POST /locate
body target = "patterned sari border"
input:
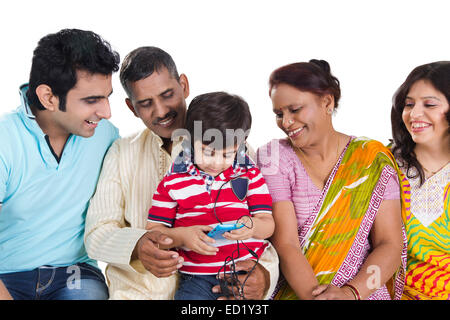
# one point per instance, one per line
(354, 259)
(302, 232)
(358, 251)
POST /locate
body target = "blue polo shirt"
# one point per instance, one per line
(43, 199)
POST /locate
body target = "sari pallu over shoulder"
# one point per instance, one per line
(334, 237)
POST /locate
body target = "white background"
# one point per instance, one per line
(234, 45)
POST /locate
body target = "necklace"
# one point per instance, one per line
(306, 159)
(434, 172)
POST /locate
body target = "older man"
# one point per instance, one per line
(133, 167)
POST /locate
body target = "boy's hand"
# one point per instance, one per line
(243, 233)
(195, 238)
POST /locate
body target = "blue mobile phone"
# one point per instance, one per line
(220, 229)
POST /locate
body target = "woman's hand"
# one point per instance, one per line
(331, 292)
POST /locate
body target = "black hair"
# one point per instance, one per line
(220, 111)
(314, 76)
(142, 62)
(59, 55)
(438, 75)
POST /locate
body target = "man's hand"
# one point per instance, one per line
(255, 287)
(4, 294)
(162, 263)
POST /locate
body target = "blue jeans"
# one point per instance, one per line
(77, 282)
(196, 287)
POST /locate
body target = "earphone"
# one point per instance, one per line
(232, 277)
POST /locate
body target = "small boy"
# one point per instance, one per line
(211, 184)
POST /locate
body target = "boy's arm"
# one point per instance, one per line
(161, 217)
(172, 233)
(263, 225)
(193, 237)
(259, 202)
(260, 206)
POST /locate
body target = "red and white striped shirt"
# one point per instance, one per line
(186, 197)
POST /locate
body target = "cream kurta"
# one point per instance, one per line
(117, 216)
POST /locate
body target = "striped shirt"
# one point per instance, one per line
(186, 196)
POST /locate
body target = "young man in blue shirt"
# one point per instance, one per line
(51, 153)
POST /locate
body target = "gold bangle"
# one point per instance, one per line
(353, 290)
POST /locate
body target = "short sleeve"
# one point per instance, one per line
(275, 169)
(163, 209)
(258, 196)
(392, 191)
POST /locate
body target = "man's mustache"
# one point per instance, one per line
(170, 114)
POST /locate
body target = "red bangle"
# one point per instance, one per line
(354, 291)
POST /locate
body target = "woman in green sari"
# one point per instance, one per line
(420, 125)
(336, 200)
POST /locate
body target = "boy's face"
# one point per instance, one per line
(213, 161)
